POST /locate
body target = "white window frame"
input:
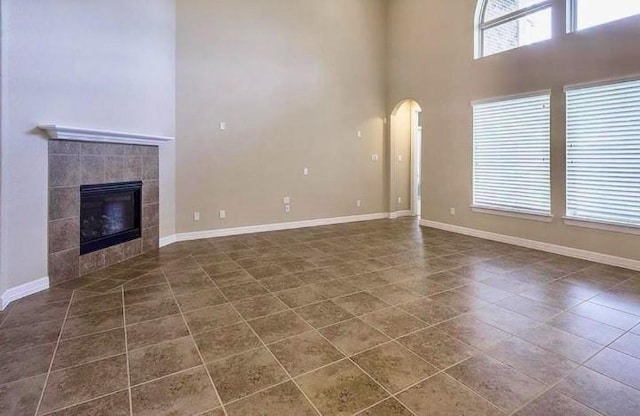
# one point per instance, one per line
(509, 211)
(576, 221)
(572, 17)
(481, 26)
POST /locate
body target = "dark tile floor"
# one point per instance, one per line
(376, 318)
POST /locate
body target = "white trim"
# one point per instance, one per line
(224, 232)
(23, 290)
(602, 82)
(534, 216)
(57, 132)
(399, 214)
(538, 245)
(602, 225)
(165, 241)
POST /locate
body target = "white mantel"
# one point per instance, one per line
(57, 132)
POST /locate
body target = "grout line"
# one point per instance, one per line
(204, 364)
(268, 350)
(126, 349)
(53, 357)
(84, 402)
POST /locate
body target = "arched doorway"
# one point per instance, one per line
(405, 151)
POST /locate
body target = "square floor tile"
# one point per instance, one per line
(147, 311)
(95, 304)
(241, 375)
(458, 301)
(442, 395)
(85, 382)
(394, 294)
(25, 363)
(283, 400)
(12, 339)
(617, 366)
(484, 292)
(586, 328)
(530, 308)
(341, 389)
(496, 382)
(21, 397)
(259, 306)
(300, 296)
(530, 360)
(145, 294)
(189, 392)
(612, 317)
(116, 404)
(226, 341)
(390, 407)
(601, 393)
(88, 348)
(93, 322)
(553, 403)
(323, 313)
(207, 319)
(437, 348)
(156, 331)
(393, 322)
(149, 363)
(429, 311)
(361, 303)
(504, 319)
(283, 282)
(628, 344)
(474, 332)
(394, 366)
(278, 326)
(353, 336)
(562, 343)
(201, 299)
(306, 352)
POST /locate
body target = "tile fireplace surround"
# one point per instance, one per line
(75, 163)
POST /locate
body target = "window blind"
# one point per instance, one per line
(511, 140)
(603, 153)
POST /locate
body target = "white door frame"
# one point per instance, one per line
(416, 159)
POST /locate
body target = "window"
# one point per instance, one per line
(588, 13)
(508, 24)
(603, 153)
(511, 141)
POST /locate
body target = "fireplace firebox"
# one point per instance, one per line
(110, 214)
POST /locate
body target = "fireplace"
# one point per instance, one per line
(110, 214)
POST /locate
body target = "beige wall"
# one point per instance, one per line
(431, 60)
(401, 146)
(106, 64)
(294, 80)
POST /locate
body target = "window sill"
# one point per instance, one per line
(602, 225)
(526, 215)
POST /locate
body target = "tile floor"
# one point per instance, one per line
(376, 318)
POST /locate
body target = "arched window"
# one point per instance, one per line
(507, 24)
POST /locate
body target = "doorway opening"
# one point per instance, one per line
(405, 189)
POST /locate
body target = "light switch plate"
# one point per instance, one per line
(223, 214)
(286, 200)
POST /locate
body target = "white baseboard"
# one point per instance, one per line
(165, 241)
(224, 232)
(400, 214)
(24, 290)
(538, 245)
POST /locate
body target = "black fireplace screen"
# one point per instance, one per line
(109, 215)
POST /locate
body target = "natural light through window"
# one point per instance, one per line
(509, 24)
(589, 13)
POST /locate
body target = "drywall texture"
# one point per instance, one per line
(294, 81)
(431, 47)
(400, 159)
(105, 64)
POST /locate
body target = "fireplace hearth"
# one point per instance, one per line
(110, 214)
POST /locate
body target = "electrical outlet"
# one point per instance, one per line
(358, 203)
(399, 158)
(286, 200)
(305, 171)
(223, 125)
(359, 134)
(196, 216)
(452, 211)
(399, 200)
(287, 208)
(374, 158)
(223, 214)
